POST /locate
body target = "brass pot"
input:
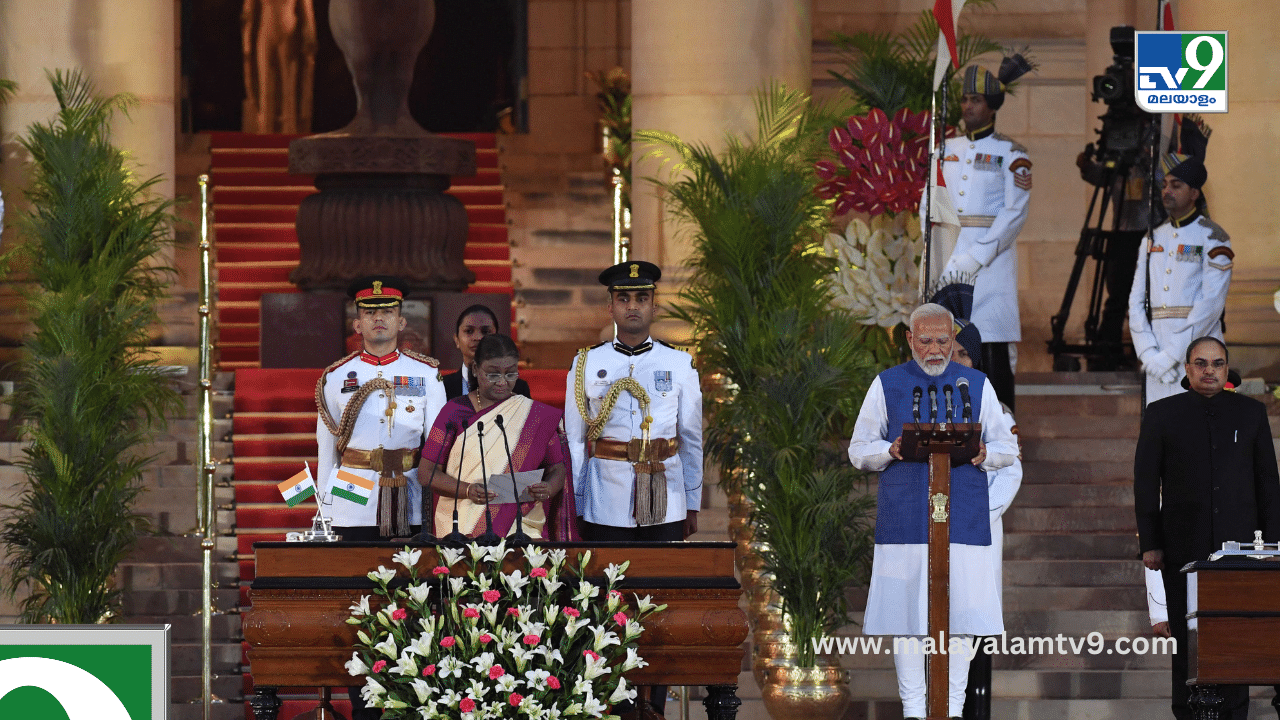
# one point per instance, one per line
(817, 693)
(770, 636)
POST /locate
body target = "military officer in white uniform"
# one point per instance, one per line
(374, 408)
(1180, 287)
(989, 178)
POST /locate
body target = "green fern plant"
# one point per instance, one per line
(90, 395)
(793, 367)
(891, 72)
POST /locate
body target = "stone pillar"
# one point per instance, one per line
(695, 67)
(1243, 158)
(123, 46)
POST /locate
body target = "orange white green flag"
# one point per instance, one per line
(299, 487)
(350, 486)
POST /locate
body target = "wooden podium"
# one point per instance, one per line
(943, 446)
(298, 637)
(1233, 628)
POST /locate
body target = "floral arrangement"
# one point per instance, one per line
(471, 642)
(881, 163)
(877, 274)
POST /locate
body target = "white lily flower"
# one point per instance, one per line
(557, 560)
(391, 703)
(516, 582)
(424, 645)
(477, 553)
(644, 604)
(633, 661)
(621, 693)
(477, 690)
(581, 686)
(593, 707)
(449, 700)
(456, 584)
(356, 666)
(419, 593)
(498, 553)
(552, 584)
(604, 638)
(428, 712)
(406, 666)
(552, 613)
(532, 628)
(361, 608)
(536, 679)
(634, 628)
(595, 667)
(449, 666)
(614, 572)
(553, 713)
(490, 612)
(382, 575)
(531, 708)
(535, 556)
(482, 662)
(572, 627)
(483, 582)
(574, 710)
(387, 647)
(451, 556)
(554, 656)
(507, 683)
(586, 591)
(372, 690)
(422, 689)
(584, 559)
(407, 557)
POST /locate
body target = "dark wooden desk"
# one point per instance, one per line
(1233, 628)
(298, 637)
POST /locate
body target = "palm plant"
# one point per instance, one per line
(794, 368)
(89, 394)
(892, 72)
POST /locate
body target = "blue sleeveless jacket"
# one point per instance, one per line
(902, 515)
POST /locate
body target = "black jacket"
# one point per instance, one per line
(1212, 462)
(453, 386)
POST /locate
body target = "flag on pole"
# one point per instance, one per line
(299, 487)
(947, 13)
(1168, 15)
(353, 487)
(946, 227)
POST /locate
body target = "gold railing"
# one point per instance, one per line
(205, 465)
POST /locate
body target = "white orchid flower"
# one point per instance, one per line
(621, 693)
(382, 575)
(422, 689)
(419, 593)
(516, 582)
(614, 571)
(361, 608)
(407, 557)
(387, 647)
(535, 556)
(633, 661)
(356, 666)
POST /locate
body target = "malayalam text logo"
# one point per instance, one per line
(1181, 71)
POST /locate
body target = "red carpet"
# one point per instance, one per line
(255, 203)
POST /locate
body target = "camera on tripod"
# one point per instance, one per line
(1124, 125)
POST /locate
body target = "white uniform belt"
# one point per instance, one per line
(1166, 313)
(977, 220)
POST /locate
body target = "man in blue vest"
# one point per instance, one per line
(897, 602)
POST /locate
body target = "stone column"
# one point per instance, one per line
(695, 67)
(1243, 158)
(122, 46)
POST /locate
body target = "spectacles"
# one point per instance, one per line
(510, 377)
(1217, 364)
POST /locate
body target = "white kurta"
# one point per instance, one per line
(1002, 486)
(897, 601)
(417, 404)
(606, 488)
(1190, 271)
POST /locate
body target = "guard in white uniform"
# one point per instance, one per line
(989, 178)
(1180, 287)
(374, 409)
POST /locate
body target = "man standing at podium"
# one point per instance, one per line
(1204, 473)
(897, 603)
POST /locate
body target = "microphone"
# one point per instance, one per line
(963, 385)
(428, 516)
(456, 539)
(489, 538)
(519, 538)
(946, 393)
(933, 403)
(915, 402)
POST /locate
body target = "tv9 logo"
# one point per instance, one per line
(1181, 71)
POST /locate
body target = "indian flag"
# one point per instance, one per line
(353, 487)
(299, 487)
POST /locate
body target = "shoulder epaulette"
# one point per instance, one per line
(1017, 146)
(321, 407)
(599, 344)
(421, 358)
(1215, 230)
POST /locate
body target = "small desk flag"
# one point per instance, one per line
(299, 487)
(352, 487)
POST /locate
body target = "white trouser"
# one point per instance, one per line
(909, 661)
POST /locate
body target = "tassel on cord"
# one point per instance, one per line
(393, 505)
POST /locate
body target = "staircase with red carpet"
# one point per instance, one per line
(255, 204)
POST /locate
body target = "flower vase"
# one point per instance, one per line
(820, 692)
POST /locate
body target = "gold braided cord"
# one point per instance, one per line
(352, 412)
(321, 406)
(595, 425)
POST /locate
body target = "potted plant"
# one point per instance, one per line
(792, 366)
(89, 392)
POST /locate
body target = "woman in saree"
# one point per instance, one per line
(536, 441)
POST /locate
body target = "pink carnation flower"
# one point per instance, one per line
(399, 614)
(470, 613)
(590, 654)
(467, 705)
(620, 618)
(485, 638)
(428, 671)
(571, 612)
(496, 672)
(491, 595)
(538, 573)
(513, 611)
(440, 570)
(448, 641)
(552, 682)
(379, 666)
(530, 639)
(615, 594)
(515, 699)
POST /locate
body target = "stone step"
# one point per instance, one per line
(1037, 426)
(185, 658)
(1076, 472)
(1129, 597)
(186, 628)
(1118, 405)
(187, 688)
(1073, 573)
(178, 548)
(220, 711)
(175, 602)
(135, 576)
(1093, 450)
(1074, 496)
(1042, 546)
(1057, 520)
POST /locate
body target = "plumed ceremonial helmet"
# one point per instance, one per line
(1187, 163)
(958, 299)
